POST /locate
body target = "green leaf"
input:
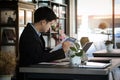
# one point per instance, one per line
(72, 56)
(77, 45)
(79, 54)
(81, 50)
(73, 49)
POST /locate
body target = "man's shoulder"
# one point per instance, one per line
(29, 25)
(28, 28)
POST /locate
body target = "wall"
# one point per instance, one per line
(72, 19)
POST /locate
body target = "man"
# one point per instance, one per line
(32, 45)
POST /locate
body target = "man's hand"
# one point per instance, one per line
(66, 45)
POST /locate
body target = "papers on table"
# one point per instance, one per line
(55, 63)
(95, 63)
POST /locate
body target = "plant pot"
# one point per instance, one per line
(5, 77)
(109, 47)
(84, 59)
(75, 61)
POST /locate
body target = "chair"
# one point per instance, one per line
(84, 40)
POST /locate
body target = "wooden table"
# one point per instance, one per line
(67, 72)
(104, 53)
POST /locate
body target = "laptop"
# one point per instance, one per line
(87, 46)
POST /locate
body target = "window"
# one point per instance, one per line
(99, 20)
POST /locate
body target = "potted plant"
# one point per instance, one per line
(7, 65)
(109, 45)
(77, 56)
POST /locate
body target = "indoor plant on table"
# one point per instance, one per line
(109, 45)
(7, 65)
(77, 56)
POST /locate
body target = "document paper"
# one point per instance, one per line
(59, 46)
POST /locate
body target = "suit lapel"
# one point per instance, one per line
(42, 41)
(39, 39)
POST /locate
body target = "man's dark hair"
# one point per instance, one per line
(44, 13)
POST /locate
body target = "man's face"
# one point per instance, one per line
(46, 25)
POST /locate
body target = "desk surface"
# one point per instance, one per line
(104, 53)
(66, 69)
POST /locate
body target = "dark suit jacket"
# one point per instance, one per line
(32, 48)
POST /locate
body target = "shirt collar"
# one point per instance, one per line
(39, 34)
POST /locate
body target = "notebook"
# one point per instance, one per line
(87, 46)
(95, 65)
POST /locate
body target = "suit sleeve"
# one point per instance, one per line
(58, 54)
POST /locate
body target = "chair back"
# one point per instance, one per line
(84, 40)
